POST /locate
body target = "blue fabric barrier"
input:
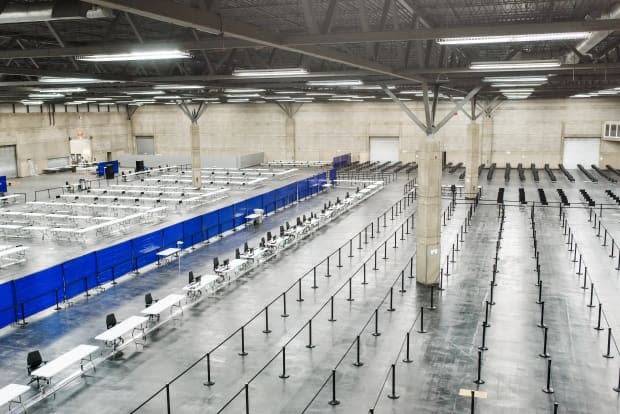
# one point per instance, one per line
(41, 290)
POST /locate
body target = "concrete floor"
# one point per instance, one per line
(445, 358)
(46, 253)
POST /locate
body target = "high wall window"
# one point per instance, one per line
(611, 130)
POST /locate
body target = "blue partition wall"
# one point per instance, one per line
(30, 294)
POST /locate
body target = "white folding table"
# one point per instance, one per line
(169, 302)
(12, 394)
(81, 353)
(131, 324)
(166, 253)
(195, 289)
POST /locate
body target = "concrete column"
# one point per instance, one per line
(428, 221)
(289, 143)
(473, 160)
(196, 162)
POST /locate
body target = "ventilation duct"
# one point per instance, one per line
(586, 45)
(43, 12)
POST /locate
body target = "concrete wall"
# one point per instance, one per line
(39, 137)
(519, 131)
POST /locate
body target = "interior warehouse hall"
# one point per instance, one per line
(309, 206)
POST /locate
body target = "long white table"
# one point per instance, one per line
(195, 289)
(131, 324)
(166, 253)
(81, 353)
(169, 302)
(14, 255)
(12, 394)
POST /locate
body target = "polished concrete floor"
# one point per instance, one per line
(444, 359)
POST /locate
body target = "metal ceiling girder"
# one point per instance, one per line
(457, 108)
(193, 114)
(205, 21)
(406, 110)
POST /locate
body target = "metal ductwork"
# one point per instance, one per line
(586, 45)
(45, 12)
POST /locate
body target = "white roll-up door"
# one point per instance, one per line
(145, 145)
(8, 161)
(384, 149)
(584, 151)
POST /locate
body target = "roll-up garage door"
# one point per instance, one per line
(8, 161)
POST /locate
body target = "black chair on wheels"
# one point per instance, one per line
(148, 300)
(110, 321)
(216, 263)
(191, 277)
(237, 254)
(246, 248)
(33, 362)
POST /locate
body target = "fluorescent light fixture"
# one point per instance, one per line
(238, 100)
(371, 87)
(244, 95)
(608, 92)
(133, 56)
(513, 79)
(31, 102)
(350, 82)
(145, 92)
(106, 103)
(523, 90)
(46, 95)
(319, 94)
(411, 92)
(511, 97)
(144, 100)
(285, 100)
(177, 87)
(62, 90)
(168, 97)
(207, 99)
(270, 97)
(516, 84)
(53, 79)
(232, 90)
(581, 95)
(515, 64)
(77, 103)
(543, 37)
(288, 92)
(269, 73)
(259, 102)
(339, 99)
(98, 99)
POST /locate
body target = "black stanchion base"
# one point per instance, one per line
(544, 355)
(350, 299)
(486, 324)
(539, 302)
(391, 309)
(598, 328)
(299, 300)
(617, 389)
(548, 390)
(431, 307)
(483, 348)
(407, 361)
(376, 334)
(266, 331)
(334, 402)
(332, 320)
(328, 275)
(357, 364)
(242, 353)
(541, 325)
(393, 396)
(479, 382)
(283, 376)
(339, 266)
(585, 288)
(608, 356)
(310, 346)
(314, 287)
(208, 383)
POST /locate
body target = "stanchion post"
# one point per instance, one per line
(376, 332)
(357, 362)
(391, 308)
(393, 395)
(299, 298)
(422, 321)
(310, 344)
(541, 324)
(331, 312)
(479, 379)
(209, 382)
(407, 359)
(314, 285)
(284, 313)
(350, 298)
(334, 401)
(243, 352)
(600, 313)
(544, 353)
(266, 330)
(608, 355)
(548, 389)
(483, 347)
(591, 304)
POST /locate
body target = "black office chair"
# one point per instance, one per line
(246, 248)
(216, 263)
(281, 231)
(191, 276)
(148, 300)
(304, 218)
(288, 226)
(110, 321)
(298, 221)
(347, 195)
(33, 362)
(237, 254)
(226, 261)
(262, 242)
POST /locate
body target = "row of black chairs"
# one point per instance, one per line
(521, 172)
(613, 170)
(542, 197)
(550, 173)
(491, 171)
(568, 175)
(453, 169)
(587, 197)
(587, 173)
(563, 198)
(522, 196)
(535, 172)
(613, 195)
(603, 174)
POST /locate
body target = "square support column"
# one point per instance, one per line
(196, 161)
(428, 223)
(289, 147)
(473, 160)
